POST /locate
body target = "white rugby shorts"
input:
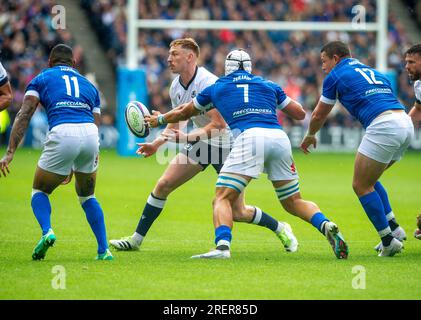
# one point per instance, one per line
(258, 150)
(71, 146)
(387, 137)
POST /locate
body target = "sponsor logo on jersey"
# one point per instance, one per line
(377, 90)
(72, 104)
(246, 111)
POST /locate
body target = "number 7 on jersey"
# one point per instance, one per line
(246, 91)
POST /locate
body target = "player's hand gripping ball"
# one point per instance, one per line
(135, 118)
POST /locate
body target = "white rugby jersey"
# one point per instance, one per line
(417, 90)
(180, 94)
(3, 75)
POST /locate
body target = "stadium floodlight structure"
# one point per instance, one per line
(379, 27)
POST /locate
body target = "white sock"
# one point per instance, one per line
(280, 227)
(137, 238)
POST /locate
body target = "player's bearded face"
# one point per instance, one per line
(413, 66)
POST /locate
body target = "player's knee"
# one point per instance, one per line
(288, 194)
(85, 185)
(359, 188)
(227, 194)
(238, 213)
(242, 213)
(35, 191)
(355, 186)
(43, 186)
(82, 200)
(289, 204)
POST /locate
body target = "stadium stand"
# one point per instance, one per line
(288, 58)
(26, 38)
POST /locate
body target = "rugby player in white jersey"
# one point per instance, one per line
(208, 143)
(413, 67)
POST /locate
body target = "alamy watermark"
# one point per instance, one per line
(359, 280)
(59, 17)
(358, 21)
(59, 280)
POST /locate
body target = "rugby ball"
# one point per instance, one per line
(135, 118)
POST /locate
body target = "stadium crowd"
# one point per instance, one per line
(289, 58)
(26, 38)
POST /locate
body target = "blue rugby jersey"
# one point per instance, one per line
(66, 95)
(244, 100)
(363, 91)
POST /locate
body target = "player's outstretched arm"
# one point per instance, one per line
(19, 128)
(182, 112)
(5, 95)
(294, 110)
(318, 118)
(415, 113)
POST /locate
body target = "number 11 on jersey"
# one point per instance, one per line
(68, 85)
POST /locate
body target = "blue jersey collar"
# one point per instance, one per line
(342, 62)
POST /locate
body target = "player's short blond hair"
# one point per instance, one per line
(187, 43)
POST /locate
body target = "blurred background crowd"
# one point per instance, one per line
(290, 59)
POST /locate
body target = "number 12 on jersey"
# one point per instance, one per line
(69, 87)
(372, 79)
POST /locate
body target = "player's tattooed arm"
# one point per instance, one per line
(21, 123)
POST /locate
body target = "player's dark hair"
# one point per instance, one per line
(61, 54)
(415, 49)
(338, 48)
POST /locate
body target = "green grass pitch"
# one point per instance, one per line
(259, 268)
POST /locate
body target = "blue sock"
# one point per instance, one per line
(95, 217)
(317, 220)
(151, 211)
(263, 219)
(387, 208)
(374, 209)
(223, 234)
(381, 191)
(42, 210)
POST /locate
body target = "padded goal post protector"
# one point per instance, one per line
(131, 85)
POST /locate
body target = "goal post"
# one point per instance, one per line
(357, 24)
(379, 27)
